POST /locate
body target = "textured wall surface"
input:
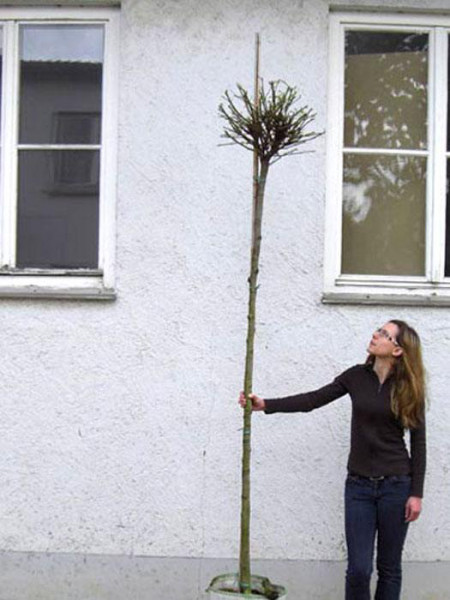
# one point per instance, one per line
(120, 432)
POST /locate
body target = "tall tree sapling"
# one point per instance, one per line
(272, 126)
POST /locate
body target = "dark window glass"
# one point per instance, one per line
(1, 72)
(448, 99)
(61, 70)
(60, 73)
(76, 127)
(58, 209)
(447, 230)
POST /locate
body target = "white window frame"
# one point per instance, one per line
(433, 288)
(61, 283)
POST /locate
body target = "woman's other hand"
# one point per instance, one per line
(257, 402)
(413, 509)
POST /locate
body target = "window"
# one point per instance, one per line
(58, 152)
(388, 228)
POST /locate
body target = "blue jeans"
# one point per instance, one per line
(375, 508)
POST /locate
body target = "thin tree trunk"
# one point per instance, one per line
(244, 556)
(255, 150)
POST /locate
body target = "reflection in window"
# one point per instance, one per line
(76, 172)
(386, 89)
(76, 127)
(1, 73)
(447, 230)
(61, 69)
(384, 195)
(57, 221)
(384, 215)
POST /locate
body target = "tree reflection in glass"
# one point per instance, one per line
(384, 193)
(386, 90)
(384, 215)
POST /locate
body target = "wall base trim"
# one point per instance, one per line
(55, 576)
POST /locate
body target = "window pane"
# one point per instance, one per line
(58, 209)
(1, 73)
(447, 224)
(448, 98)
(60, 74)
(447, 230)
(386, 89)
(383, 230)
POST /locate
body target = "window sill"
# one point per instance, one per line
(62, 286)
(425, 295)
(60, 3)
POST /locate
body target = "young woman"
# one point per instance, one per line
(384, 486)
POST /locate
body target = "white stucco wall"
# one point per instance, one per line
(120, 429)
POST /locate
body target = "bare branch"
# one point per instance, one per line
(274, 127)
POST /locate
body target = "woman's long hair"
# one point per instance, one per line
(408, 389)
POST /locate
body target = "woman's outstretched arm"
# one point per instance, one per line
(300, 402)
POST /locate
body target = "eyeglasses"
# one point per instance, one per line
(387, 336)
